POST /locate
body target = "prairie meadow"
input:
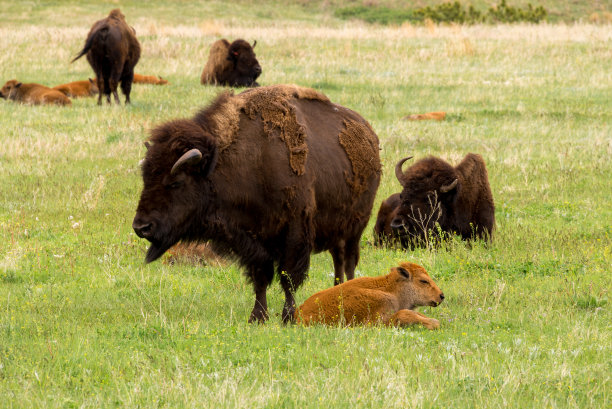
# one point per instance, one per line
(526, 321)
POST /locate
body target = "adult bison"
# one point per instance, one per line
(268, 176)
(112, 51)
(457, 198)
(232, 64)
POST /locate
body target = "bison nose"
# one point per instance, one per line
(442, 296)
(142, 229)
(257, 69)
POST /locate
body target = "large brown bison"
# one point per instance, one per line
(457, 198)
(31, 93)
(232, 64)
(112, 51)
(268, 176)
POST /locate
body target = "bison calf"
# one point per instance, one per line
(112, 51)
(78, 88)
(232, 64)
(388, 299)
(458, 199)
(31, 93)
(149, 79)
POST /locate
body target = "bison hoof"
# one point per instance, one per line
(258, 316)
(288, 315)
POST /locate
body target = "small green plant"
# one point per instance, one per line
(450, 12)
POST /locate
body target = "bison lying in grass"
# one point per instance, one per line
(389, 300)
(78, 88)
(267, 176)
(112, 51)
(232, 64)
(149, 79)
(457, 199)
(34, 94)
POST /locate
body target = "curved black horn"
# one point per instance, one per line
(398, 169)
(448, 188)
(190, 157)
(254, 43)
(147, 144)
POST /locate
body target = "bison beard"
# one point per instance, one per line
(268, 189)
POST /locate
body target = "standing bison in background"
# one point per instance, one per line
(268, 176)
(457, 198)
(112, 51)
(232, 64)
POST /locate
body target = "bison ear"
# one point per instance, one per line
(90, 80)
(403, 272)
(19, 84)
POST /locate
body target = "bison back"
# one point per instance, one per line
(298, 171)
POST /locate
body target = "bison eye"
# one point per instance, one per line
(174, 185)
(424, 282)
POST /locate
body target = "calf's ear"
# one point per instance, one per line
(19, 84)
(403, 272)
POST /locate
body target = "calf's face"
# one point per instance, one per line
(418, 286)
(174, 196)
(9, 89)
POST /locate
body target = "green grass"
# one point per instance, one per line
(526, 322)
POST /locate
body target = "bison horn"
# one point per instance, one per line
(448, 188)
(398, 169)
(254, 43)
(147, 144)
(190, 157)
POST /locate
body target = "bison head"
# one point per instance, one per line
(430, 189)
(177, 189)
(417, 286)
(9, 89)
(246, 66)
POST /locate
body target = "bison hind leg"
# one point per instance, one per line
(292, 269)
(346, 257)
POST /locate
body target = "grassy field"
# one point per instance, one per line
(527, 320)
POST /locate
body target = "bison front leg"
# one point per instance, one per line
(404, 318)
(261, 276)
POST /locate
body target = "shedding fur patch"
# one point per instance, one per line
(225, 119)
(272, 103)
(361, 146)
(279, 118)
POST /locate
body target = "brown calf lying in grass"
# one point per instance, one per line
(388, 299)
(31, 93)
(438, 116)
(193, 253)
(77, 89)
(149, 79)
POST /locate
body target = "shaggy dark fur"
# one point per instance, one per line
(232, 64)
(247, 200)
(112, 51)
(458, 198)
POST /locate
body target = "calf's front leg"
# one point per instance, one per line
(403, 318)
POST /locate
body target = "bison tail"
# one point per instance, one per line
(90, 40)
